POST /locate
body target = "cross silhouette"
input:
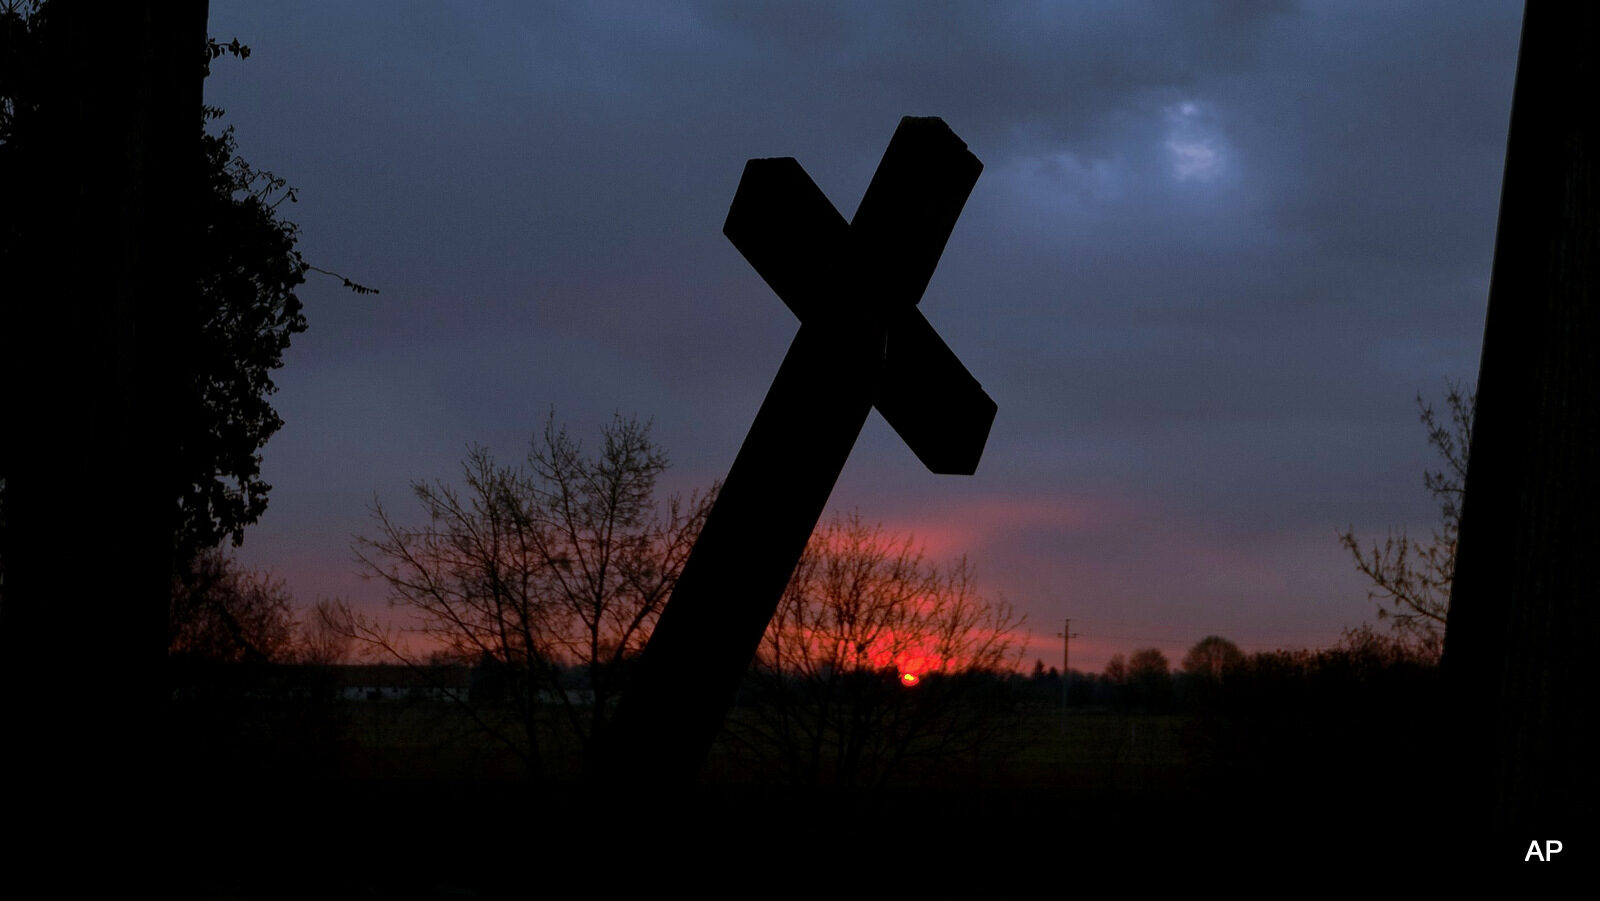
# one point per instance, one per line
(862, 343)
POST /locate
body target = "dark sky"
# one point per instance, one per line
(1217, 250)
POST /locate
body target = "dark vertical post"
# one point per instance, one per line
(112, 159)
(1522, 633)
(1067, 635)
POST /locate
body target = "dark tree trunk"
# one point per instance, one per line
(1522, 628)
(111, 166)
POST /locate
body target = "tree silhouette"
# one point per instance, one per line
(535, 571)
(224, 613)
(322, 638)
(875, 659)
(1150, 677)
(246, 314)
(1212, 657)
(1411, 579)
(1116, 669)
(148, 294)
(232, 302)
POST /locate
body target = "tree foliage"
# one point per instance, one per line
(247, 315)
(21, 52)
(1355, 725)
(1411, 579)
(238, 317)
(239, 309)
(1212, 658)
(1150, 678)
(548, 576)
(1148, 663)
(875, 658)
(1116, 669)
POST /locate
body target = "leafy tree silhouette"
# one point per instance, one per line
(1150, 677)
(248, 312)
(148, 294)
(237, 320)
(1212, 658)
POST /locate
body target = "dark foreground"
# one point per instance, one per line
(1125, 795)
(458, 839)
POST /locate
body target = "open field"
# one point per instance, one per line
(1100, 751)
(1319, 771)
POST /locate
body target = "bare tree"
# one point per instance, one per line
(1411, 579)
(1116, 669)
(546, 576)
(875, 658)
(221, 612)
(323, 637)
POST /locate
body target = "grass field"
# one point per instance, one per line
(1095, 751)
(416, 802)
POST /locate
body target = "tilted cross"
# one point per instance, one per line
(862, 343)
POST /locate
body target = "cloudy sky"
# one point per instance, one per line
(1216, 251)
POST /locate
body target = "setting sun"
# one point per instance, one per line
(909, 679)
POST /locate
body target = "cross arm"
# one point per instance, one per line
(789, 232)
(931, 400)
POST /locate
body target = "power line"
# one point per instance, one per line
(1255, 632)
(1189, 641)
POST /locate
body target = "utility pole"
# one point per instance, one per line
(1066, 635)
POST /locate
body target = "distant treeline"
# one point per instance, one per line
(1365, 664)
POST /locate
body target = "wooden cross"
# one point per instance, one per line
(862, 343)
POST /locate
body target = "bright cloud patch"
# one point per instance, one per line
(1194, 149)
(1057, 175)
(1194, 159)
